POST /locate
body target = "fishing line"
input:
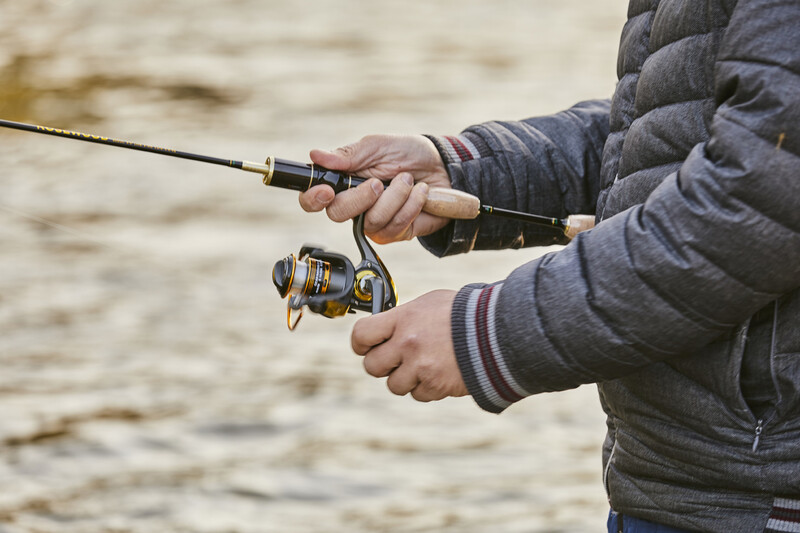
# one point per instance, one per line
(186, 276)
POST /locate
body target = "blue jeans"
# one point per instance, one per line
(637, 525)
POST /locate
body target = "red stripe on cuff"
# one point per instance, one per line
(461, 149)
(493, 372)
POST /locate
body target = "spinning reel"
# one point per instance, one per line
(328, 283)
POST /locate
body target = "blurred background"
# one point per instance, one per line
(148, 381)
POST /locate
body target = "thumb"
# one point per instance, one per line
(345, 158)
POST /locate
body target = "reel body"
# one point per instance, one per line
(330, 285)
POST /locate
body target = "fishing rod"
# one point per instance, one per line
(328, 283)
(441, 201)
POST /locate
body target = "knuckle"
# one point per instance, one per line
(375, 220)
(373, 367)
(430, 391)
(394, 388)
(336, 213)
(368, 366)
(430, 372)
(401, 222)
(421, 396)
(410, 343)
(399, 232)
(347, 150)
(357, 341)
(346, 207)
(427, 371)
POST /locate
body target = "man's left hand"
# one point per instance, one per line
(412, 345)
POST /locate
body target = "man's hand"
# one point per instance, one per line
(412, 345)
(410, 162)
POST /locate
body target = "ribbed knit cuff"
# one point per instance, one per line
(464, 147)
(785, 516)
(478, 353)
(459, 235)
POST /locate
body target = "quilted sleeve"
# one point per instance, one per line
(715, 242)
(544, 165)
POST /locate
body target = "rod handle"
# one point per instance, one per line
(577, 224)
(451, 203)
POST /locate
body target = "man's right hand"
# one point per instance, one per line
(410, 162)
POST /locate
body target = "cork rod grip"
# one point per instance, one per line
(450, 203)
(577, 224)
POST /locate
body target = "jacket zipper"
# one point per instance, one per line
(759, 429)
(760, 423)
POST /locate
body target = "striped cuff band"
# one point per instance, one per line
(785, 516)
(480, 358)
(464, 147)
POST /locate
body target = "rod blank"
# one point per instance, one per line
(448, 203)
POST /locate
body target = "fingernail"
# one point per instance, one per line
(377, 186)
(407, 179)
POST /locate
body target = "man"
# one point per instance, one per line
(683, 304)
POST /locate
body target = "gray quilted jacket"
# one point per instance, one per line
(683, 304)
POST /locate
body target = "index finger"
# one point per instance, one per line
(372, 331)
(316, 198)
(352, 202)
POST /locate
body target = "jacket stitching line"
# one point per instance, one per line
(758, 61)
(684, 37)
(684, 310)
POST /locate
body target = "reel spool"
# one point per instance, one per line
(328, 283)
